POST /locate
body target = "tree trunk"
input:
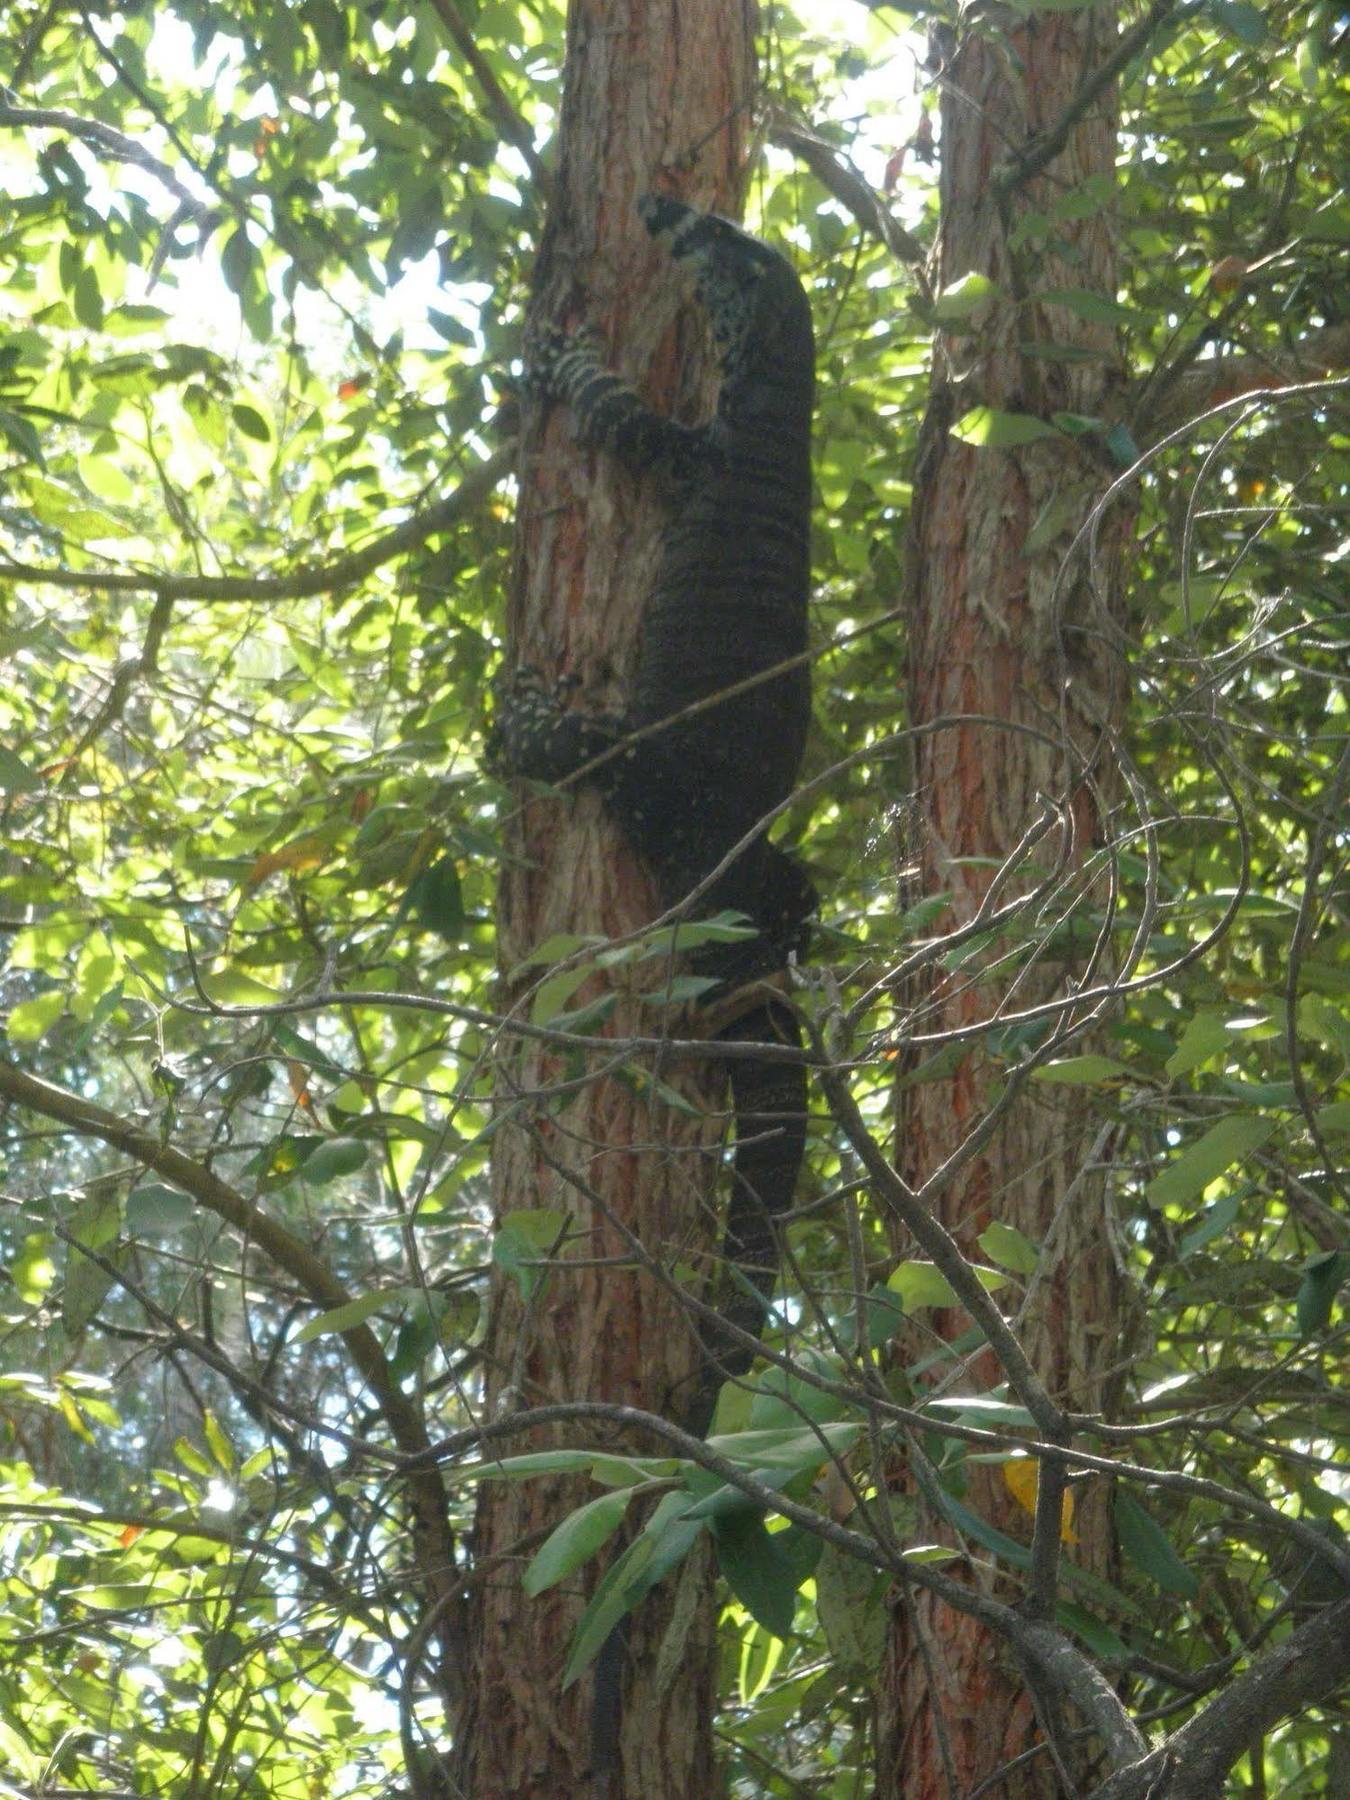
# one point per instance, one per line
(648, 85)
(1001, 627)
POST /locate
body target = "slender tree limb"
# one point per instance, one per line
(124, 678)
(1191, 1765)
(309, 1271)
(504, 115)
(834, 171)
(1330, 825)
(339, 1593)
(325, 578)
(1050, 1659)
(432, 1537)
(31, 44)
(111, 142)
(937, 1241)
(1217, 381)
(1045, 1651)
(1045, 146)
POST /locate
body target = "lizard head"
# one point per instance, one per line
(754, 299)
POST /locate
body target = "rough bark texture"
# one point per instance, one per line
(649, 85)
(993, 631)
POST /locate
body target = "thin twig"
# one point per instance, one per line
(504, 114)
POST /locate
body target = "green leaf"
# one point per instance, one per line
(1005, 1245)
(552, 994)
(776, 1457)
(1223, 1144)
(304, 1050)
(963, 298)
(1317, 1290)
(332, 1158)
(433, 1318)
(217, 1442)
(1319, 1018)
(1146, 1545)
(446, 325)
(106, 478)
(850, 1602)
(666, 1540)
(1076, 1071)
(192, 1458)
(649, 1086)
(586, 1017)
(354, 1312)
(883, 1315)
(969, 1523)
(251, 422)
(436, 897)
(154, 1210)
(1240, 19)
(1124, 451)
(1205, 1036)
(1308, 61)
(555, 949)
(603, 1465)
(1211, 1224)
(221, 1650)
(236, 261)
(87, 300)
(679, 990)
(524, 1237)
(95, 1225)
(756, 1570)
(31, 1019)
(920, 1283)
(721, 928)
(33, 1270)
(993, 430)
(576, 1540)
(1097, 309)
(20, 435)
(1095, 1632)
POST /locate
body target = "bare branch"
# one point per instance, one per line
(834, 171)
(325, 578)
(1311, 1664)
(111, 142)
(1214, 382)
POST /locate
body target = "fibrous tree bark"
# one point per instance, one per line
(1004, 624)
(648, 88)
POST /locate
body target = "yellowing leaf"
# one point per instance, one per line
(297, 1077)
(1022, 1478)
(300, 853)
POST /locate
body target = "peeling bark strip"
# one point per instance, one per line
(647, 84)
(995, 630)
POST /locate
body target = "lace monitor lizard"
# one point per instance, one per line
(728, 603)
